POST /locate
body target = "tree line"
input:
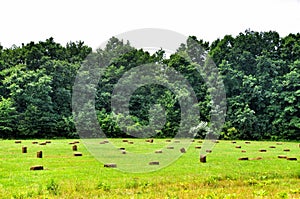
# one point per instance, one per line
(260, 72)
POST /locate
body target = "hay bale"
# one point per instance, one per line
(71, 142)
(123, 152)
(130, 142)
(149, 140)
(177, 141)
(158, 151)
(24, 149)
(215, 141)
(197, 147)
(203, 158)
(238, 147)
(154, 163)
(292, 159)
(199, 141)
(74, 147)
(39, 154)
(247, 142)
(106, 141)
(279, 143)
(208, 151)
(182, 150)
(18, 141)
(42, 143)
(102, 142)
(233, 142)
(272, 147)
(262, 150)
(76, 142)
(243, 158)
(192, 140)
(77, 154)
(258, 158)
(110, 165)
(37, 167)
(48, 141)
(244, 151)
(168, 140)
(282, 156)
(34, 142)
(170, 147)
(124, 140)
(122, 148)
(286, 150)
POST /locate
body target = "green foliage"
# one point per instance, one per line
(260, 71)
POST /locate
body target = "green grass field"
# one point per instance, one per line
(223, 176)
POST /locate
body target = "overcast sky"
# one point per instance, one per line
(94, 21)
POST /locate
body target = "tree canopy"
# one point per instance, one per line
(260, 71)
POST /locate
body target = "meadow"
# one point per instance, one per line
(264, 175)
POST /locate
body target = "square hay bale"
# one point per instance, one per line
(74, 147)
(110, 165)
(208, 151)
(37, 167)
(292, 159)
(203, 158)
(262, 150)
(24, 149)
(243, 158)
(77, 154)
(154, 163)
(18, 141)
(282, 156)
(39, 154)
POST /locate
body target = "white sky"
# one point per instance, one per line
(94, 21)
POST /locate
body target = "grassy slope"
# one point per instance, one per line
(223, 176)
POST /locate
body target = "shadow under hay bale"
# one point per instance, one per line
(48, 141)
(123, 152)
(110, 165)
(42, 143)
(77, 154)
(272, 147)
(197, 147)
(199, 141)
(247, 142)
(124, 140)
(76, 142)
(182, 150)
(170, 147)
(39, 154)
(34, 142)
(153, 163)
(282, 156)
(233, 142)
(286, 150)
(203, 158)
(263, 150)
(122, 148)
(74, 147)
(18, 141)
(292, 159)
(37, 167)
(208, 151)
(244, 158)
(158, 151)
(71, 142)
(24, 149)
(238, 147)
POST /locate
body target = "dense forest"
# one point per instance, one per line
(260, 71)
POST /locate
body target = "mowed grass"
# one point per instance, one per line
(223, 176)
